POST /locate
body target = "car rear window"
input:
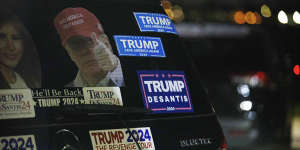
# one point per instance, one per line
(118, 20)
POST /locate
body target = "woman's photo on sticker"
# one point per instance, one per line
(19, 60)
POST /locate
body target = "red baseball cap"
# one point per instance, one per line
(76, 21)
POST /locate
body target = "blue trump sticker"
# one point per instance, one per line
(154, 22)
(165, 91)
(139, 46)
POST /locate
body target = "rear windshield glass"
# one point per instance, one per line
(55, 63)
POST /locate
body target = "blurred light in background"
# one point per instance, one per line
(265, 11)
(178, 13)
(295, 133)
(251, 115)
(244, 90)
(258, 79)
(246, 105)
(296, 70)
(258, 18)
(167, 5)
(250, 17)
(296, 17)
(295, 128)
(261, 75)
(282, 17)
(239, 17)
(170, 13)
(254, 81)
(192, 30)
(175, 13)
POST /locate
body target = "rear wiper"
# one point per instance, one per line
(90, 109)
(107, 110)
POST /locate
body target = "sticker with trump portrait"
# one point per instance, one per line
(83, 37)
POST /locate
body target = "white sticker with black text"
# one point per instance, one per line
(102, 95)
(119, 139)
(16, 103)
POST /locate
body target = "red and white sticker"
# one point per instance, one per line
(16, 103)
(122, 139)
(21, 142)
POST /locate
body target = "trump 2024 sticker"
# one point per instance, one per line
(21, 142)
(154, 22)
(114, 139)
(165, 91)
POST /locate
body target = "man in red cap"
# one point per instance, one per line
(88, 46)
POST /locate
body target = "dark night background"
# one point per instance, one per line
(229, 55)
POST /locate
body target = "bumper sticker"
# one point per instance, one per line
(114, 139)
(165, 91)
(102, 95)
(139, 46)
(16, 103)
(154, 22)
(21, 142)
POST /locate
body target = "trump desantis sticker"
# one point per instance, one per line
(165, 91)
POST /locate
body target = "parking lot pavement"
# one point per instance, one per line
(270, 147)
(266, 146)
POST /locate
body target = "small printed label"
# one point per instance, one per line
(117, 139)
(154, 22)
(16, 103)
(21, 142)
(49, 98)
(195, 142)
(139, 46)
(102, 95)
(165, 91)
